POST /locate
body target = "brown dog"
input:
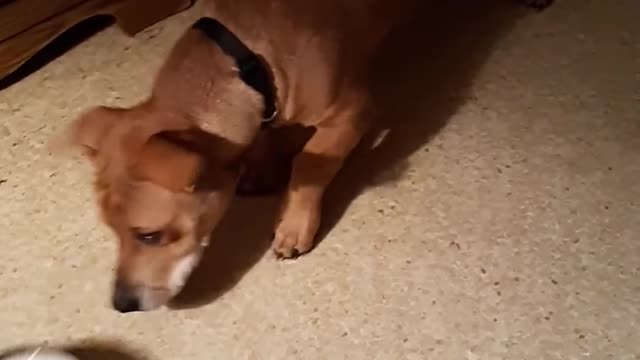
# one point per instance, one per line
(167, 169)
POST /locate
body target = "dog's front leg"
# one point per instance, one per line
(313, 169)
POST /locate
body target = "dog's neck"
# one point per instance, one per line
(252, 68)
(254, 72)
(202, 80)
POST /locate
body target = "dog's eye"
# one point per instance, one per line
(149, 238)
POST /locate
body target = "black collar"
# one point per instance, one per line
(253, 70)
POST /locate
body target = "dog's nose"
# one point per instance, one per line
(126, 303)
(125, 299)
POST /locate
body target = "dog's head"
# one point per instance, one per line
(161, 187)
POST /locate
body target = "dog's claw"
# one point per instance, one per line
(289, 246)
(283, 255)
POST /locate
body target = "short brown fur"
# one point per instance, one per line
(171, 163)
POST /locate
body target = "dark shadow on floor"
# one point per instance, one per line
(423, 76)
(61, 44)
(101, 350)
(245, 233)
(241, 239)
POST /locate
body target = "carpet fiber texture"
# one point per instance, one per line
(498, 219)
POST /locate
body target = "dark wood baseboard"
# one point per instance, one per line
(53, 19)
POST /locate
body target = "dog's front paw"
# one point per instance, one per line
(538, 4)
(296, 231)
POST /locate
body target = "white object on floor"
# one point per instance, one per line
(41, 354)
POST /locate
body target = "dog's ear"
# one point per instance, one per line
(167, 164)
(90, 129)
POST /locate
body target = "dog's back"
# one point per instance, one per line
(355, 21)
(320, 50)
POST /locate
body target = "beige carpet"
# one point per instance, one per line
(501, 221)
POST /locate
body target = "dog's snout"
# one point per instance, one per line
(125, 298)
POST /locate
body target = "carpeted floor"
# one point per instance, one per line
(498, 220)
